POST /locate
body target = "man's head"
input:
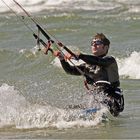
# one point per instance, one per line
(100, 44)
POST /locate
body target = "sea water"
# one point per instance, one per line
(34, 89)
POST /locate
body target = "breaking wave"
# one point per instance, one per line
(129, 67)
(16, 111)
(41, 5)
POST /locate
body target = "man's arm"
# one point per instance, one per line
(71, 69)
(94, 60)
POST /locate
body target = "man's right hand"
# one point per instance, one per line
(58, 54)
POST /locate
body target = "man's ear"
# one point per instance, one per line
(106, 47)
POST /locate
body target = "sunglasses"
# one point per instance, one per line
(98, 42)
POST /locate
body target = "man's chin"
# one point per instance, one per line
(95, 53)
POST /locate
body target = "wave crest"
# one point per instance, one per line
(41, 5)
(129, 67)
(17, 111)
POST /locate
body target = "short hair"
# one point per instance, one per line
(103, 38)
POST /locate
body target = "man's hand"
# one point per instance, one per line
(68, 56)
(58, 54)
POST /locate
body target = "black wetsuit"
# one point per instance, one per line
(103, 68)
(95, 68)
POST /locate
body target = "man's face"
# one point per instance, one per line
(98, 48)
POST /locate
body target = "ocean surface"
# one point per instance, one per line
(34, 89)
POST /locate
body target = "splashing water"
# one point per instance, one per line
(16, 111)
(130, 66)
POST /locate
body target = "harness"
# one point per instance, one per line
(115, 95)
(99, 84)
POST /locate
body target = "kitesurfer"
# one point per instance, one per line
(99, 69)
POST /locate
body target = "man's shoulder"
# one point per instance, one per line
(110, 58)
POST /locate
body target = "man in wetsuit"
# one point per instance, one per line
(99, 68)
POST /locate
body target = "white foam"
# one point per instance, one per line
(33, 52)
(130, 66)
(39, 5)
(16, 111)
(10, 102)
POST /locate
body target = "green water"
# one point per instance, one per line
(38, 83)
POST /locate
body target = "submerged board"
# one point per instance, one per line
(91, 110)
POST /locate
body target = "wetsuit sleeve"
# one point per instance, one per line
(94, 60)
(71, 69)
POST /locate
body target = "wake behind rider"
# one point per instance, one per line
(98, 68)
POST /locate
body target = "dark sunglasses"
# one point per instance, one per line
(98, 42)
